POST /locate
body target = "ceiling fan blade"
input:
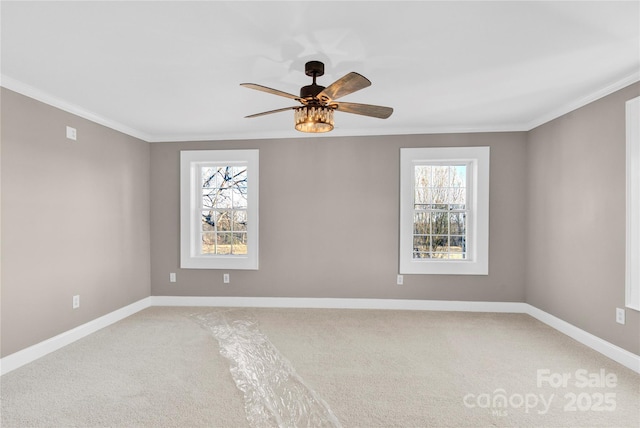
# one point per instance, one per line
(344, 86)
(271, 112)
(365, 109)
(270, 90)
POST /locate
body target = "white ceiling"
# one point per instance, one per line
(170, 71)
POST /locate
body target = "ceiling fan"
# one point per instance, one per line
(318, 103)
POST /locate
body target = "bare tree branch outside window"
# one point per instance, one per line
(440, 212)
(224, 210)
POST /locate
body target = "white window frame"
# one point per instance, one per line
(632, 274)
(477, 161)
(190, 213)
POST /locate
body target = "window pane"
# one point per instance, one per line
(223, 198)
(422, 175)
(211, 177)
(440, 176)
(239, 197)
(440, 255)
(240, 221)
(439, 195)
(440, 223)
(216, 198)
(440, 243)
(208, 245)
(208, 221)
(223, 243)
(239, 175)
(419, 255)
(421, 225)
(447, 195)
(457, 195)
(457, 224)
(223, 221)
(457, 247)
(208, 198)
(422, 195)
(421, 245)
(239, 243)
(459, 176)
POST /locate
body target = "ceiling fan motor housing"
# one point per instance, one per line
(310, 91)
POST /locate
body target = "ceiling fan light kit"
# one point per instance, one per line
(318, 103)
(314, 119)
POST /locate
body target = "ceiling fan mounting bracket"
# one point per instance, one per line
(314, 68)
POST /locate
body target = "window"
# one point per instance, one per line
(219, 209)
(632, 294)
(444, 210)
(440, 211)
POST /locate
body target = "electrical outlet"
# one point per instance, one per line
(172, 277)
(620, 315)
(76, 301)
(71, 133)
(400, 280)
(225, 278)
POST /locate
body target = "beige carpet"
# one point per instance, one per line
(160, 368)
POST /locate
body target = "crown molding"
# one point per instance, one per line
(569, 107)
(47, 98)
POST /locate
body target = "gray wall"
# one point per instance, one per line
(329, 221)
(576, 219)
(75, 220)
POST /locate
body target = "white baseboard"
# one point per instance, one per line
(20, 358)
(616, 353)
(32, 353)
